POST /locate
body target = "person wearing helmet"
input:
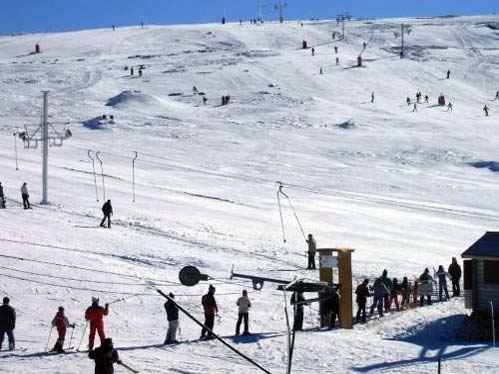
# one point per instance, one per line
(244, 305)
(105, 357)
(210, 310)
(61, 322)
(95, 316)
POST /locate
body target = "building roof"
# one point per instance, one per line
(486, 246)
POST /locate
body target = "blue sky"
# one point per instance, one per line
(62, 15)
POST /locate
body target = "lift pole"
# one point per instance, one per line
(45, 147)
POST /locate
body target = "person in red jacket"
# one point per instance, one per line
(210, 310)
(61, 322)
(95, 315)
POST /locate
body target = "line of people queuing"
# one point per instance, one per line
(386, 291)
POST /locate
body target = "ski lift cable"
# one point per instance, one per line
(281, 192)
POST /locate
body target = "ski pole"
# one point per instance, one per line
(48, 340)
(71, 338)
(127, 367)
(82, 336)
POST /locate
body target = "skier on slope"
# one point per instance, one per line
(415, 107)
(297, 301)
(426, 98)
(25, 196)
(61, 322)
(7, 323)
(95, 316)
(455, 273)
(448, 74)
(105, 356)
(313, 51)
(210, 310)
(172, 316)
(372, 97)
(362, 293)
(312, 249)
(497, 95)
(486, 110)
(442, 283)
(2, 197)
(107, 210)
(408, 100)
(244, 305)
(335, 49)
(450, 107)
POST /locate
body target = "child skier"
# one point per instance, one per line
(61, 322)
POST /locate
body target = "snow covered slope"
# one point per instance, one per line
(406, 190)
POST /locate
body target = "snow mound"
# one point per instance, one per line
(132, 98)
(348, 125)
(491, 165)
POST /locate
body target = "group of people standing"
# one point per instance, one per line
(24, 196)
(386, 291)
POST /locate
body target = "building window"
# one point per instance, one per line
(491, 272)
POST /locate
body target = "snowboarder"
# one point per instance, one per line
(389, 287)
(312, 249)
(450, 107)
(313, 51)
(297, 300)
(486, 110)
(105, 356)
(415, 107)
(394, 294)
(131, 71)
(379, 290)
(244, 304)
(455, 273)
(61, 322)
(25, 196)
(2, 197)
(95, 316)
(172, 316)
(426, 98)
(442, 283)
(107, 210)
(204, 100)
(210, 310)
(426, 287)
(448, 74)
(7, 323)
(362, 293)
(335, 49)
(372, 97)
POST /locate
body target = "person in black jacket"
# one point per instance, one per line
(455, 274)
(172, 316)
(297, 300)
(362, 293)
(105, 356)
(107, 209)
(7, 323)
(2, 197)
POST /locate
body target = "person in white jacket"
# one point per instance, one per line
(244, 305)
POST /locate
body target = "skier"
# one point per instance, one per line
(140, 72)
(61, 322)
(194, 91)
(210, 310)
(131, 71)
(415, 107)
(334, 35)
(335, 49)
(497, 95)
(362, 293)
(442, 283)
(172, 316)
(95, 316)
(450, 107)
(426, 98)
(418, 96)
(204, 100)
(337, 61)
(380, 290)
(313, 51)
(107, 209)
(426, 287)
(448, 74)
(7, 323)
(2, 197)
(389, 287)
(404, 289)
(372, 97)
(455, 273)
(312, 249)
(25, 196)
(408, 100)
(394, 294)
(244, 305)
(486, 110)
(105, 356)
(321, 71)
(297, 300)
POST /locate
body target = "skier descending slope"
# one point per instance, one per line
(61, 322)
(210, 310)
(95, 316)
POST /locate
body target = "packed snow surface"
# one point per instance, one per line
(407, 190)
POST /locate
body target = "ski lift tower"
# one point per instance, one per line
(345, 16)
(404, 28)
(48, 136)
(280, 6)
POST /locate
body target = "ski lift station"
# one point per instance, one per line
(481, 273)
